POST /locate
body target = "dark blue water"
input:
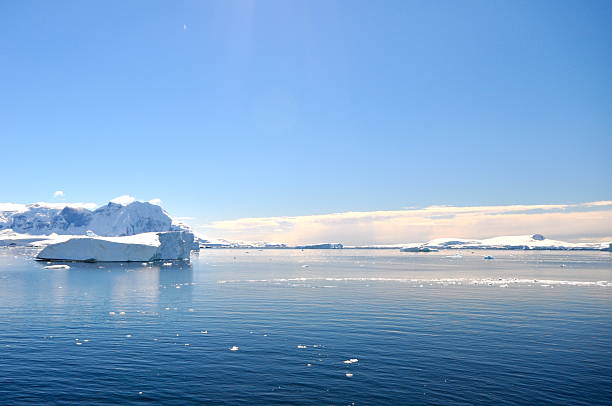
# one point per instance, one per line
(525, 328)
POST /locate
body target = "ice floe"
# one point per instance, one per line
(433, 281)
(57, 267)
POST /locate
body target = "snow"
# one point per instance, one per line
(140, 247)
(122, 216)
(512, 242)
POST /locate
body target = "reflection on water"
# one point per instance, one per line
(436, 328)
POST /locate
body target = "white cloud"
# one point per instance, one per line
(569, 221)
(123, 200)
(58, 193)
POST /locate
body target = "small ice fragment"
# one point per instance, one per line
(204, 332)
(301, 346)
(305, 266)
(140, 393)
(56, 267)
(234, 348)
(85, 341)
(111, 313)
(177, 286)
(78, 343)
(308, 365)
(186, 345)
(349, 375)
(190, 310)
(167, 264)
(121, 313)
(351, 361)
(128, 335)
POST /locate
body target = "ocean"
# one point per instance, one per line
(311, 327)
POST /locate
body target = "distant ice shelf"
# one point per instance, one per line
(144, 247)
(514, 242)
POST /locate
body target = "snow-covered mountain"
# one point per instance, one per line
(113, 219)
(512, 242)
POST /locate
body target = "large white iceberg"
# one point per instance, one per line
(173, 245)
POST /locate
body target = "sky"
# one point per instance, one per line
(230, 110)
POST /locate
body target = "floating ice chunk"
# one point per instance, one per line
(305, 266)
(234, 348)
(56, 267)
(351, 361)
(121, 313)
(301, 346)
(348, 375)
(308, 365)
(78, 343)
(111, 313)
(140, 393)
(167, 264)
(140, 247)
(128, 335)
(204, 332)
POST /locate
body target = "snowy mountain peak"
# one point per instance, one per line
(117, 218)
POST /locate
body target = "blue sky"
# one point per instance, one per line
(230, 109)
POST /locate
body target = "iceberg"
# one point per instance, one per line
(327, 246)
(144, 247)
(421, 248)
